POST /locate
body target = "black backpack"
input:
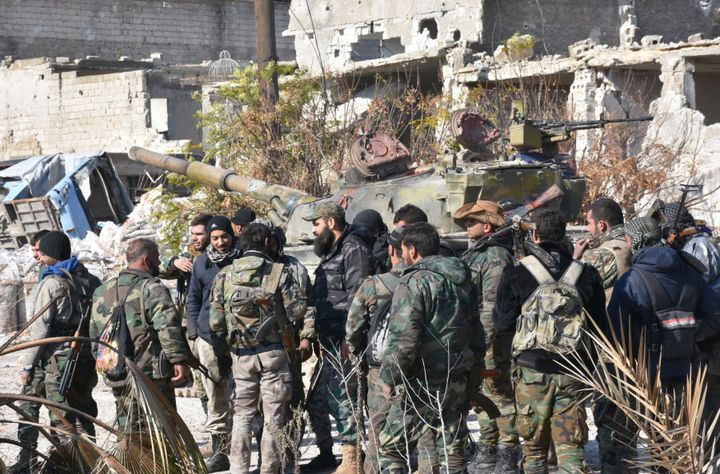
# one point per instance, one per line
(110, 363)
(674, 328)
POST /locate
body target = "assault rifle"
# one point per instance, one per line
(675, 235)
(75, 348)
(517, 223)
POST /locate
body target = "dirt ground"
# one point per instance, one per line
(190, 410)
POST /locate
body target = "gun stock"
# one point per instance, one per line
(550, 194)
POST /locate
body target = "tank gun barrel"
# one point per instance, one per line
(283, 199)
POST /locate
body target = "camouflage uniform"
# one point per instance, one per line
(169, 272)
(49, 361)
(548, 409)
(260, 368)
(611, 257)
(156, 334)
(486, 261)
(373, 291)
(435, 339)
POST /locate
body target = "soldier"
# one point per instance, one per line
(548, 402)
(435, 340)
(499, 442)
(153, 325)
(345, 259)
(63, 284)
(241, 219)
(364, 334)
(661, 282)
(241, 310)
(223, 249)
(609, 254)
(372, 220)
(179, 267)
(411, 214)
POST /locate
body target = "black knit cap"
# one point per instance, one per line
(219, 223)
(55, 244)
(372, 219)
(244, 216)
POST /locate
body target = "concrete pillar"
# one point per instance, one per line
(628, 22)
(676, 75)
(582, 104)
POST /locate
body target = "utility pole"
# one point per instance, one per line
(267, 57)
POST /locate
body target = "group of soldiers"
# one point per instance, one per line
(409, 335)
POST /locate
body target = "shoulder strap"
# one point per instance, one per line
(658, 296)
(536, 269)
(572, 273)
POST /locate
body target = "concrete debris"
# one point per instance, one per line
(696, 38)
(581, 47)
(651, 40)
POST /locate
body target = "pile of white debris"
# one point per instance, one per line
(103, 255)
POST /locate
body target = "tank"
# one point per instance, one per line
(381, 178)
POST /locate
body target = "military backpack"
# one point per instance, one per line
(552, 318)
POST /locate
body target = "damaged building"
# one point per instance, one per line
(591, 51)
(81, 75)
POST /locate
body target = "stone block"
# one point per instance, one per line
(651, 40)
(696, 37)
(581, 47)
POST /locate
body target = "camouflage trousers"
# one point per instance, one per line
(549, 409)
(335, 394)
(126, 409)
(422, 408)
(500, 390)
(219, 415)
(263, 378)
(378, 407)
(46, 384)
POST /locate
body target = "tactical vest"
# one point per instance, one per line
(377, 337)
(552, 318)
(623, 260)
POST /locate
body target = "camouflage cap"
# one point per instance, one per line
(326, 210)
(486, 212)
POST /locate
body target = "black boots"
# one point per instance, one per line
(484, 459)
(324, 460)
(25, 462)
(219, 461)
(507, 460)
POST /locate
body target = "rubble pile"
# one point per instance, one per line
(103, 255)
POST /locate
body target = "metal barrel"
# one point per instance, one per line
(283, 198)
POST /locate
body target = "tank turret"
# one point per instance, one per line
(380, 178)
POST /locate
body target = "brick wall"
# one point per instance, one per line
(47, 112)
(186, 31)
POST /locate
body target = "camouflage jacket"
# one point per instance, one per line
(611, 257)
(374, 290)
(236, 317)
(486, 260)
(168, 270)
(434, 327)
(61, 319)
(305, 328)
(155, 332)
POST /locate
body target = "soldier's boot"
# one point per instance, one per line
(507, 460)
(324, 460)
(351, 460)
(219, 461)
(484, 460)
(26, 460)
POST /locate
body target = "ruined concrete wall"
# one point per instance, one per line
(556, 24)
(185, 31)
(677, 19)
(42, 111)
(340, 35)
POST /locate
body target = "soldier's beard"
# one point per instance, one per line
(323, 242)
